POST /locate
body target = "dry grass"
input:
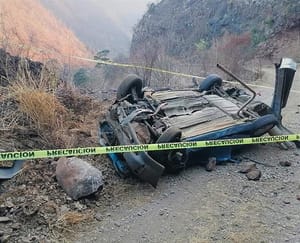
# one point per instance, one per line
(46, 107)
(8, 115)
(66, 223)
(73, 218)
(30, 89)
(41, 107)
(61, 122)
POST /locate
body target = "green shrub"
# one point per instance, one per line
(201, 45)
(257, 36)
(80, 77)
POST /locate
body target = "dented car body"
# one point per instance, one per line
(209, 112)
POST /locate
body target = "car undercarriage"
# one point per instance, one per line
(213, 110)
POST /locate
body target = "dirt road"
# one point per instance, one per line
(221, 206)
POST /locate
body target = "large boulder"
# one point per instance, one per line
(78, 178)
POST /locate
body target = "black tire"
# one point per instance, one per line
(209, 82)
(128, 86)
(168, 158)
(172, 134)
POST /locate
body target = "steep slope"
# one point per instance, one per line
(91, 23)
(181, 27)
(28, 29)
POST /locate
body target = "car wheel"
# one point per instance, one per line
(132, 85)
(209, 82)
(173, 160)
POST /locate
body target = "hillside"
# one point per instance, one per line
(28, 29)
(98, 24)
(184, 27)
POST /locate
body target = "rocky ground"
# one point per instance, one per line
(221, 206)
(194, 206)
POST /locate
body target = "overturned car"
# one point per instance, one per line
(210, 111)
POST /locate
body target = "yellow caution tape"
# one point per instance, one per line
(165, 71)
(144, 67)
(138, 66)
(39, 154)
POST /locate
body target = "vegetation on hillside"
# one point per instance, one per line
(203, 33)
(181, 26)
(30, 30)
(39, 110)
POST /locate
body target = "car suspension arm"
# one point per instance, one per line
(243, 84)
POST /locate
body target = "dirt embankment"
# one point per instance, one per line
(39, 112)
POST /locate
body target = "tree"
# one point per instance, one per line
(101, 56)
(234, 50)
(147, 56)
(80, 77)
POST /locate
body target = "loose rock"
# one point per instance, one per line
(117, 224)
(5, 238)
(285, 163)
(247, 167)
(99, 217)
(16, 226)
(254, 175)
(4, 219)
(77, 177)
(211, 165)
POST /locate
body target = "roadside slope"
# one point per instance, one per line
(30, 30)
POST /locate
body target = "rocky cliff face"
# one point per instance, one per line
(181, 27)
